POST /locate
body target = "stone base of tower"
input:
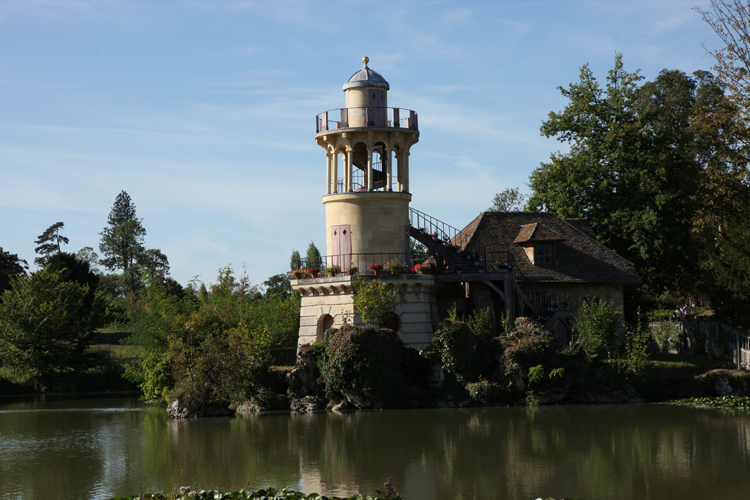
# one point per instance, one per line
(327, 303)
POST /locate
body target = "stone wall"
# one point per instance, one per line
(327, 302)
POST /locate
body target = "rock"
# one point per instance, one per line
(308, 404)
(436, 377)
(341, 406)
(303, 379)
(179, 410)
(723, 388)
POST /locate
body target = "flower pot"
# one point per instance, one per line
(468, 257)
(377, 272)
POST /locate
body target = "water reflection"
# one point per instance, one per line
(105, 448)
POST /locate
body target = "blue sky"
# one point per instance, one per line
(203, 111)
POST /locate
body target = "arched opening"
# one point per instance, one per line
(392, 322)
(379, 167)
(324, 323)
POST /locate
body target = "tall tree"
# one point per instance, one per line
(313, 256)
(49, 243)
(122, 238)
(10, 267)
(631, 170)
(154, 261)
(508, 200)
(295, 261)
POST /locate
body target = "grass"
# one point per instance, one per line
(106, 360)
(731, 402)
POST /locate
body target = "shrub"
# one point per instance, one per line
(373, 301)
(366, 361)
(597, 324)
(666, 334)
(480, 324)
(457, 348)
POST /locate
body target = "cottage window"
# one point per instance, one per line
(543, 253)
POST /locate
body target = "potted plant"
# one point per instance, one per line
(480, 265)
(396, 267)
(352, 270)
(332, 270)
(376, 268)
(298, 274)
(425, 268)
(504, 268)
(459, 268)
(314, 272)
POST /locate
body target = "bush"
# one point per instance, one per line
(457, 348)
(373, 301)
(370, 362)
(597, 324)
(480, 324)
(666, 334)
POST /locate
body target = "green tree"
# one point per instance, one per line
(154, 261)
(597, 324)
(508, 200)
(10, 267)
(295, 262)
(632, 170)
(122, 238)
(88, 255)
(49, 243)
(373, 301)
(312, 258)
(45, 323)
(278, 286)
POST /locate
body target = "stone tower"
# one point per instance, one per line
(367, 192)
(367, 213)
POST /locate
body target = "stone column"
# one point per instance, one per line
(406, 172)
(369, 169)
(400, 171)
(389, 171)
(348, 170)
(328, 173)
(335, 172)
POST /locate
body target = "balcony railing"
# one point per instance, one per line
(335, 119)
(361, 261)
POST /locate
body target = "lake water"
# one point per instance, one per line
(100, 448)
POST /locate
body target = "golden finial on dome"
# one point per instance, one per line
(365, 60)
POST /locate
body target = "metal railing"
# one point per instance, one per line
(446, 234)
(361, 261)
(335, 119)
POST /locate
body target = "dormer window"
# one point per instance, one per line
(543, 253)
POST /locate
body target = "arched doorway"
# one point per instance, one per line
(324, 323)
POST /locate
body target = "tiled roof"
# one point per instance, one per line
(579, 257)
(537, 231)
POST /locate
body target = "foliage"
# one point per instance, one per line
(295, 262)
(373, 301)
(122, 238)
(49, 243)
(508, 200)
(458, 351)
(88, 255)
(10, 266)
(208, 348)
(46, 323)
(263, 494)
(666, 334)
(312, 257)
(278, 286)
(487, 392)
(480, 324)
(419, 252)
(637, 339)
(732, 402)
(597, 324)
(373, 362)
(396, 267)
(634, 169)
(154, 262)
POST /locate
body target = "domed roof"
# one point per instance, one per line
(366, 78)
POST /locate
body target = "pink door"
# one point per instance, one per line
(342, 245)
